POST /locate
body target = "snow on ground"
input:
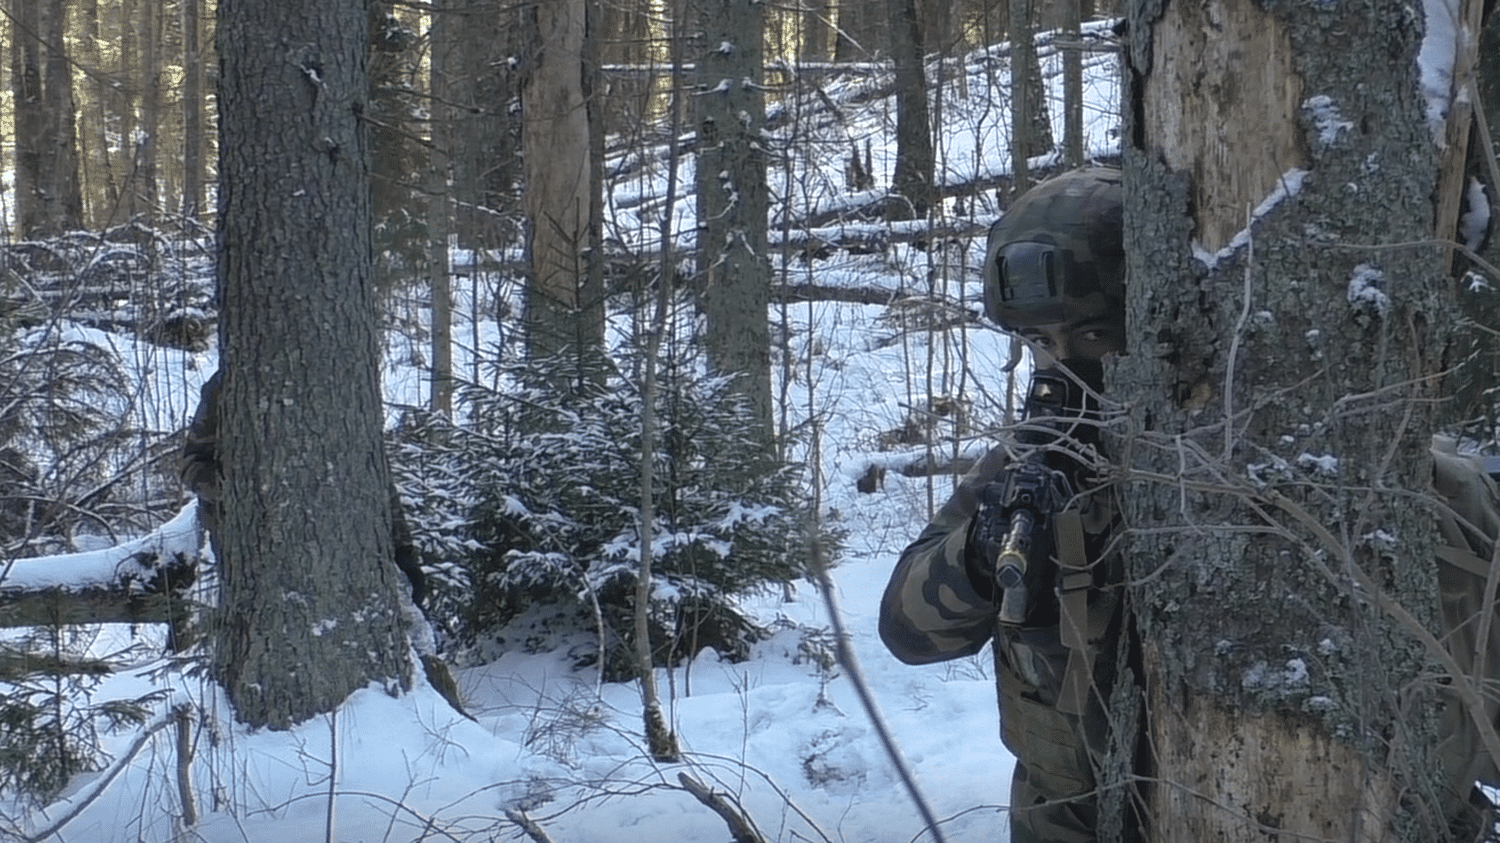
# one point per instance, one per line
(785, 736)
(782, 734)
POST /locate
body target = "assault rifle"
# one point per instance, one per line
(1017, 510)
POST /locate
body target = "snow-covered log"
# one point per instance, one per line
(139, 581)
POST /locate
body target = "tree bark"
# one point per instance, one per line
(1280, 392)
(555, 141)
(49, 199)
(439, 207)
(485, 153)
(912, 180)
(145, 194)
(1031, 129)
(1072, 86)
(192, 113)
(309, 608)
(734, 269)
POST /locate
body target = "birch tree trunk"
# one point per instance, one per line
(309, 594)
(1288, 327)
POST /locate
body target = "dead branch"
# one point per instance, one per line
(102, 783)
(740, 826)
(528, 825)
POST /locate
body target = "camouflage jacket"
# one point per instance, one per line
(198, 464)
(938, 604)
(198, 467)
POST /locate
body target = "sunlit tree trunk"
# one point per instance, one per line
(555, 142)
(309, 599)
(734, 271)
(1282, 385)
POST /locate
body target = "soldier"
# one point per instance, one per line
(199, 469)
(1054, 275)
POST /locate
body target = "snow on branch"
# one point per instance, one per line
(137, 581)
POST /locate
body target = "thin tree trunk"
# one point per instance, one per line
(143, 182)
(1072, 86)
(438, 204)
(912, 180)
(1031, 132)
(48, 196)
(734, 269)
(192, 113)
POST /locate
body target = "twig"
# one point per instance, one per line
(850, 663)
(103, 782)
(740, 826)
(1239, 331)
(333, 770)
(528, 825)
(184, 720)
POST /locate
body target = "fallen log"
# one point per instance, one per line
(140, 581)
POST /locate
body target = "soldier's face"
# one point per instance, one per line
(1091, 334)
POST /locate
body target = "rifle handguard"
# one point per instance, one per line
(1010, 564)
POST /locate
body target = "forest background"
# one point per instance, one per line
(882, 182)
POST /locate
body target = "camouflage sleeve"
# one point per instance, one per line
(931, 610)
(198, 464)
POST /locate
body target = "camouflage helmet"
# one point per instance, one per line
(1058, 250)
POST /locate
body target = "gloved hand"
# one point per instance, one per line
(979, 552)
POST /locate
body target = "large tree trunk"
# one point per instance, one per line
(1281, 388)
(309, 599)
(734, 270)
(555, 141)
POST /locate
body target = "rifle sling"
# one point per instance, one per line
(1075, 579)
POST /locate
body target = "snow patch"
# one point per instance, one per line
(1364, 291)
(1435, 61)
(1326, 465)
(1290, 184)
(1266, 678)
(1476, 219)
(1326, 118)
